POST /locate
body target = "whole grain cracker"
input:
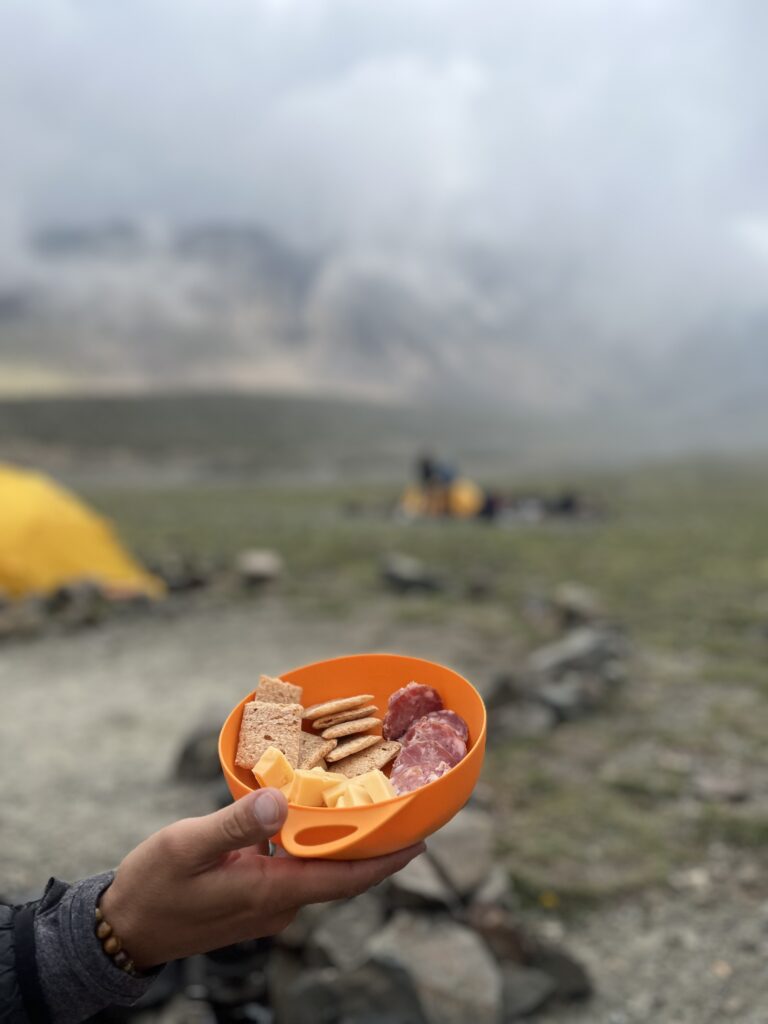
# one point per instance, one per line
(277, 691)
(374, 757)
(335, 732)
(312, 749)
(266, 724)
(353, 745)
(343, 716)
(332, 707)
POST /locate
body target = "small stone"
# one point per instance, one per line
(721, 788)
(497, 889)
(463, 849)
(522, 719)
(198, 759)
(403, 573)
(257, 566)
(327, 995)
(579, 650)
(575, 604)
(340, 937)
(455, 976)
(571, 978)
(525, 990)
(418, 885)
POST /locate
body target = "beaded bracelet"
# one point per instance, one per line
(112, 946)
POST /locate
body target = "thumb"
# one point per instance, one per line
(249, 821)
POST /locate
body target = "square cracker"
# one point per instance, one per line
(269, 725)
(312, 749)
(374, 757)
(277, 691)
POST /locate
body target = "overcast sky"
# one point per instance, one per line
(628, 138)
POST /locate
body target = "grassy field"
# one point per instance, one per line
(680, 556)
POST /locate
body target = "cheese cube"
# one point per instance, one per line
(273, 769)
(332, 795)
(377, 785)
(358, 795)
(345, 800)
(308, 787)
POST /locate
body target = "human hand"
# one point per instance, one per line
(207, 882)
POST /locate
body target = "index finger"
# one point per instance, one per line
(319, 881)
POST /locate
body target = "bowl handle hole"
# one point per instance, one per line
(317, 835)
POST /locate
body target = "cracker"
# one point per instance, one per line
(277, 691)
(353, 745)
(332, 707)
(374, 757)
(343, 716)
(335, 732)
(265, 725)
(312, 749)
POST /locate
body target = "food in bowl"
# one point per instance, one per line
(418, 741)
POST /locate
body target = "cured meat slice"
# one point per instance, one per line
(452, 719)
(438, 727)
(427, 733)
(406, 705)
(417, 775)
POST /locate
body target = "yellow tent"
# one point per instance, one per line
(49, 538)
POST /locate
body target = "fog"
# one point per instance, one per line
(543, 183)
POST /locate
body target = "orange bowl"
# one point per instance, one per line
(352, 833)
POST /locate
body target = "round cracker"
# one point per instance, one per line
(335, 732)
(351, 746)
(344, 716)
(333, 707)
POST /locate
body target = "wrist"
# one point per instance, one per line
(117, 929)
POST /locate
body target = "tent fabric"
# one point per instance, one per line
(49, 538)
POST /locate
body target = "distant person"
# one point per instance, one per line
(194, 886)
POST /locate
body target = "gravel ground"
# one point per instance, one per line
(92, 723)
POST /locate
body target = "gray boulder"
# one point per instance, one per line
(526, 990)
(419, 886)
(257, 567)
(463, 850)
(580, 650)
(340, 938)
(327, 995)
(403, 573)
(455, 976)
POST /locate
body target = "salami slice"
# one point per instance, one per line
(406, 705)
(452, 719)
(417, 775)
(428, 732)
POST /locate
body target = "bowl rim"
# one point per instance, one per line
(229, 774)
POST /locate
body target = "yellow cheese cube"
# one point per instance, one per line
(358, 795)
(272, 769)
(308, 787)
(377, 785)
(345, 800)
(332, 795)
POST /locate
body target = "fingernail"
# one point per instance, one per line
(267, 810)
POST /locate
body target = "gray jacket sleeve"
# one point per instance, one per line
(76, 977)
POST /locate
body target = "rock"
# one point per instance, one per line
(198, 759)
(497, 890)
(581, 649)
(721, 788)
(526, 990)
(181, 573)
(500, 931)
(463, 849)
(419, 886)
(78, 604)
(257, 566)
(571, 979)
(571, 696)
(575, 604)
(25, 618)
(454, 975)
(404, 573)
(327, 995)
(298, 933)
(521, 720)
(284, 969)
(340, 938)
